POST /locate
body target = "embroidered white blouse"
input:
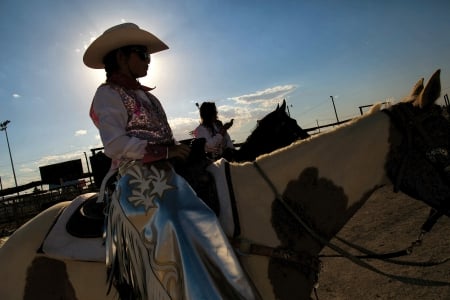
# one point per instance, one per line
(110, 115)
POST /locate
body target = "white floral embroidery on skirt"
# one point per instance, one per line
(166, 243)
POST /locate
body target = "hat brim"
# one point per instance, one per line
(117, 38)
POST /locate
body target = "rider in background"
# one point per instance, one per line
(218, 141)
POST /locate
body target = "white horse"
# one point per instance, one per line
(320, 182)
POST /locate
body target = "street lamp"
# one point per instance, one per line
(335, 112)
(3, 126)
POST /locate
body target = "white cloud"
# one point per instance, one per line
(54, 159)
(182, 127)
(266, 97)
(16, 95)
(80, 132)
(26, 169)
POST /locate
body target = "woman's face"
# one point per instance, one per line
(136, 63)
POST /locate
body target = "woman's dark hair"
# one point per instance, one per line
(110, 62)
(208, 114)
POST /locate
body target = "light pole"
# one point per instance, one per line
(335, 112)
(3, 126)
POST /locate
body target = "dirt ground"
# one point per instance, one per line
(388, 222)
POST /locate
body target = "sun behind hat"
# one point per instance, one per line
(119, 36)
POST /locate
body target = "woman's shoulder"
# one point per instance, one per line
(103, 88)
(200, 130)
(200, 127)
(106, 94)
(106, 89)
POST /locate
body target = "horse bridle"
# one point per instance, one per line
(408, 123)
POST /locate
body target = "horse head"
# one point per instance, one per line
(419, 162)
(275, 130)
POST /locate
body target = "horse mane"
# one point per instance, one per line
(376, 107)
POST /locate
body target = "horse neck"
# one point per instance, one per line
(245, 153)
(329, 176)
(251, 148)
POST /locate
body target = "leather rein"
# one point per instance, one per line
(408, 123)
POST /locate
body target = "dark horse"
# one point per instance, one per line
(275, 130)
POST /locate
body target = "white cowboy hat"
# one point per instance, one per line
(119, 36)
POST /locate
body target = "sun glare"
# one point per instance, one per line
(157, 71)
(95, 77)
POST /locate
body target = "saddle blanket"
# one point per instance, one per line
(60, 244)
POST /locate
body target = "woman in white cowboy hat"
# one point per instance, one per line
(159, 235)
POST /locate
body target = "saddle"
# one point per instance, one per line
(77, 233)
(88, 220)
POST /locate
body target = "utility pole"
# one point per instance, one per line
(1, 187)
(335, 112)
(3, 127)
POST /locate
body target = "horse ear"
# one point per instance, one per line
(283, 106)
(431, 92)
(418, 87)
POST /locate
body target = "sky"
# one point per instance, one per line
(245, 55)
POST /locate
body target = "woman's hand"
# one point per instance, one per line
(228, 124)
(225, 127)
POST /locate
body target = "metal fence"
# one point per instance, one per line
(18, 209)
